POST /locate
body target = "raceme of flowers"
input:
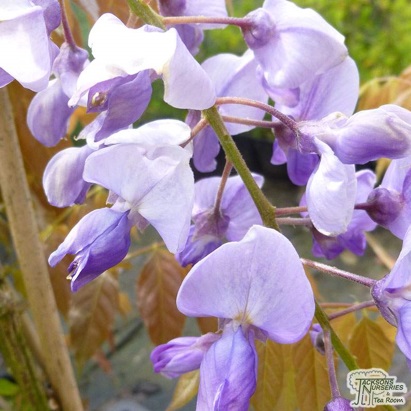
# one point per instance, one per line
(245, 274)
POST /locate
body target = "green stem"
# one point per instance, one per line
(265, 208)
(339, 347)
(146, 13)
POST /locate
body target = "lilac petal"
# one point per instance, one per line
(181, 355)
(293, 44)
(51, 11)
(300, 166)
(278, 157)
(5, 78)
(192, 37)
(208, 8)
(236, 77)
(100, 240)
(206, 149)
(48, 114)
(240, 280)
(338, 404)
(185, 82)
(371, 134)
(331, 192)
(336, 90)
(228, 373)
(403, 338)
(158, 184)
(156, 133)
(126, 104)
(26, 32)
(68, 66)
(63, 177)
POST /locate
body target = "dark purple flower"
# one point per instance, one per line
(100, 240)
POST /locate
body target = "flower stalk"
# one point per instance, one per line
(146, 13)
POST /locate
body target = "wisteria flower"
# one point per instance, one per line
(390, 204)
(49, 113)
(251, 286)
(99, 240)
(392, 295)
(336, 90)
(354, 238)
(233, 76)
(215, 220)
(120, 51)
(292, 44)
(156, 185)
(26, 51)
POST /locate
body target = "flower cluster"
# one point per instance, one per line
(248, 276)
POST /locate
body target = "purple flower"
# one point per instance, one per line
(232, 76)
(26, 51)
(99, 240)
(120, 51)
(63, 177)
(292, 44)
(49, 113)
(251, 286)
(153, 181)
(392, 295)
(354, 238)
(181, 355)
(390, 204)
(336, 90)
(230, 220)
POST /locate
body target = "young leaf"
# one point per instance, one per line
(370, 345)
(311, 376)
(91, 316)
(275, 381)
(185, 391)
(157, 288)
(343, 326)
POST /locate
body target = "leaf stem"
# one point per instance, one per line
(265, 208)
(241, 22)
(146, 13)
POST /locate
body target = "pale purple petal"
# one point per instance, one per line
(253, 281)
(300, 166)
(25, 50)
(63, 177)
(181, 355)
(159, 184)
(5, 78)
(331, 192)
(228, 373)
(235, 76)
(206, 149)
(403, 338)
(156, 133)
(51, 11)
(371, 134)
(292, 44)
(48, 114)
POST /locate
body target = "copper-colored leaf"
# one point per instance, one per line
(389, 330)
(185, 391)
(311, 376)
(91, 315)
(275, 379)
(125, 306)
(118, 8)
(370, 345)
(344, 326)
(207, 324)
(157, 288)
